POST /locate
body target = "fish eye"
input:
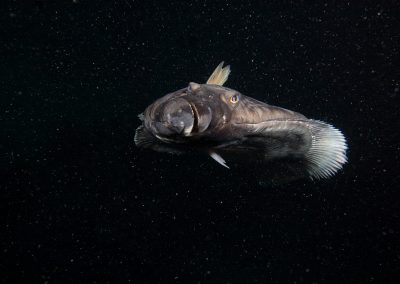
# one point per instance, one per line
(234, 99)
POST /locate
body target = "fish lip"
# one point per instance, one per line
(195, 117)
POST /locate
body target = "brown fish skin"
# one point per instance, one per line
(224, 121)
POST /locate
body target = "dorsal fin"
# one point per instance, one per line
(220, 75)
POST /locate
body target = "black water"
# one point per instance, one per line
(81, 204)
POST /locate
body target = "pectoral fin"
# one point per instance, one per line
(220, 75)
(143, 138)
(218, 158)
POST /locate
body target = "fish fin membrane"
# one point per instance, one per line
(218, 159)
(220, 75)
(327, 153)
(320, 146)
(143, 138)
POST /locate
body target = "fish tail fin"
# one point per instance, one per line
(220, 75)
(327, 153)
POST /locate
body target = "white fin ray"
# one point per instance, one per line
(220, 75)
(142, 137)
(328, 150)
(218, 159)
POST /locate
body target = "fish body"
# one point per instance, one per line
(224, 122)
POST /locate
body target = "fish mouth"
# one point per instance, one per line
(181, 117)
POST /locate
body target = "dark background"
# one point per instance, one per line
(81, 204)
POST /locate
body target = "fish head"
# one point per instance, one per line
(191, 111)
(213, 106)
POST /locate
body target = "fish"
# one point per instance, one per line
(223, 122)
